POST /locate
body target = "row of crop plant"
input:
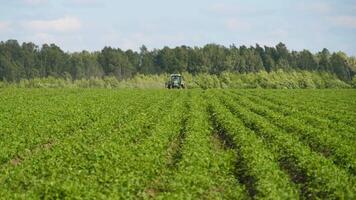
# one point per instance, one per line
(189, 144)
(340, 150)
(317, 176)
(308, 115)
(203, 170)
(85, 154)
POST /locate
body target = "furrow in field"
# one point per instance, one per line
(77, 155)
(257, 167)
(203, 172)
(134, 151)
(340, 98)
(173, 152)
(338, 129)
(143, 160)
(320, 177)
(97, 116)
(327, 103)
(336, 115)
(342, 152)
(173, 136)
(177, 144)
(46, 123)
(335, 128)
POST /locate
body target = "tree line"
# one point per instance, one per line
(28, 61)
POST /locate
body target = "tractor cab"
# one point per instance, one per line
(175, 81)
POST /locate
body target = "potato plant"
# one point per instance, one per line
(177, 144)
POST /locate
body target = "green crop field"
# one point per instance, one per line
(177, 144)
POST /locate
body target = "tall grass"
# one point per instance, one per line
(273, 80)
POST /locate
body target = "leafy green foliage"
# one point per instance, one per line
(177, 144)
(275, 80)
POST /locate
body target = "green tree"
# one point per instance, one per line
(306, 61)
(324, 60)
(147, 61)
(339, 65)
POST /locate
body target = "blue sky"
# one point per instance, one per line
(76, 25)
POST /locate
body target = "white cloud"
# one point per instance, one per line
(90, 3)
(4, 26)
(234, 24)
(316, 7)
(135, 40)
(279, 33)
(321, 7)
(35, 2)
(65, 24)
(233, 9)
(222, 8)
(44, 38)
(67, 42)
(236, 9)
(345, 21)
(85, 1)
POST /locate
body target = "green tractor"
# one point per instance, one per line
(175, 81)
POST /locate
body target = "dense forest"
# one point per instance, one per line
(29, 61)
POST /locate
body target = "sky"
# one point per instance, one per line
(77, 25)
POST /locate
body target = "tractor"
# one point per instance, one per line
(175, 81)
